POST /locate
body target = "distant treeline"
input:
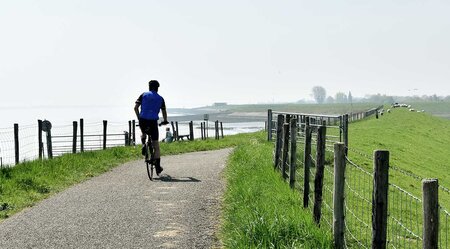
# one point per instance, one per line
(378, 98)
(341, 98)
(320, 96)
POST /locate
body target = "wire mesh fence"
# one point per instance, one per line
(405, 212)
(7, 146)
(22, 143)
(444, 239)
(358, 205)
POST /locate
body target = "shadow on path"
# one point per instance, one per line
(168, 178)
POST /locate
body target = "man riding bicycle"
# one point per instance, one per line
(151, 102)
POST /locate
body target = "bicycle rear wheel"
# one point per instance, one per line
(149, 160)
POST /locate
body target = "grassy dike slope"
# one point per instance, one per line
(418, 143)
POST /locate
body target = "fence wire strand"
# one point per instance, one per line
(405, 214)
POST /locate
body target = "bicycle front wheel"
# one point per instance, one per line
(149, 170)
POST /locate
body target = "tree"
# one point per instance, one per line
(350, 97)
(329, 100)
(340, 97)
(319, 94)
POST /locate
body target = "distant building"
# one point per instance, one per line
(218, 104)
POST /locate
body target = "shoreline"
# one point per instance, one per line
(225, 117)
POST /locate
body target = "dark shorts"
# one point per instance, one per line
(150, 127)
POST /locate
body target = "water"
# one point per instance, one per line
(62, 128)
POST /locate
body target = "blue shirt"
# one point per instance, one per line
(151, 102)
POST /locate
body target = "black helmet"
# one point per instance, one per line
(153, 85)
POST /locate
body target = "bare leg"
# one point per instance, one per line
(158, 167)
(143, 136)
(155, 144)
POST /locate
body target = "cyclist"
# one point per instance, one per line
(151, 103)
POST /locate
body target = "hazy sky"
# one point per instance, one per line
(103, 52)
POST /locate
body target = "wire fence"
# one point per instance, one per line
(405, 212)
(22, 143)
(7, 145)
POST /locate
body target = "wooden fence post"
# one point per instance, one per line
(191, 131)
(380, 198)
(175, 135)
(293, 158)
(105, 125)
(81, 135)
(204, 130)
(218, 130)
(307, 162)
(338, 195)
(215, 130)
(129, 132)
(16, 142)
(284, 157)
(269, 125)
(127, 138)
(201, 130)
(74, 138)
(41, 146)
(178, 131)
(221, 128)
(49, 144)
(216, 126)
(301, 122)
(346, 133)
(47, 127)
(320, 167)
(430, 202)
(280, 121)
(134, 132)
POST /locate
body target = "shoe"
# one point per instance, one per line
(143, 150)
(158, 171)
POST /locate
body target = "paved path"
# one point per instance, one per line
(123, 209)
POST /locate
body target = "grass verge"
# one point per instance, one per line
(260, 210)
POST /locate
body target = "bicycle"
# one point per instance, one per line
(150, 162)
(149, 153)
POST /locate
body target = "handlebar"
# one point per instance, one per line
(160, 124)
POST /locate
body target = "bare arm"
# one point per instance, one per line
(136, 110)
(164, 113)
